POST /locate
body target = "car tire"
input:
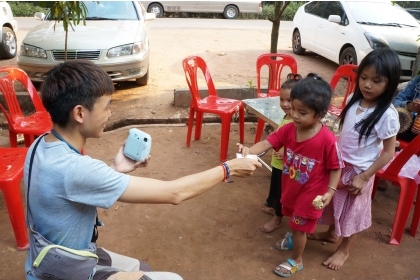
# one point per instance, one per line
(8, 45)
(157, 9)
(143, 80)
(297, 43)
(348, 56)
(230, 12)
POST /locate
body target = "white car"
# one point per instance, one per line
(346, 31)
(115, 38)
(8, 45)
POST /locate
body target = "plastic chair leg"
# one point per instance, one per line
(11, 191)
(13, 139)
(198, 125)
(375, 186)
(260, 128)
(405, 201)
(29, 139)
(241, 125)
(416, 216)
(224, 142)
(190, 126)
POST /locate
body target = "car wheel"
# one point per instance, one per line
(348, 56)
(156, 8)
(230, 12)
(8, 44)
(296, 43)
(143, 80)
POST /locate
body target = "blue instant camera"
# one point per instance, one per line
(138, 144)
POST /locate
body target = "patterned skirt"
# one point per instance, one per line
(350, 213)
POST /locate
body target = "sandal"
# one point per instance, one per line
(283, 246)
(292, 269)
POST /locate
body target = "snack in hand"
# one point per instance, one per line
(317, 203)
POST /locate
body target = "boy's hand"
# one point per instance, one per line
(326, 198)
(243, 150)
(124, 164)
(278, 155)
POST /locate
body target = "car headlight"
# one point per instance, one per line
(375, 40)
(129, 49)
(29, 50)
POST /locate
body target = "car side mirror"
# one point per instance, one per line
(334, 18)
(39, 16)
(149, 16)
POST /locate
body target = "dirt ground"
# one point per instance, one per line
(216, 235)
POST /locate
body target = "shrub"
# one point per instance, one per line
(25, 9)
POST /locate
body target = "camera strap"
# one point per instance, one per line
(95, 233)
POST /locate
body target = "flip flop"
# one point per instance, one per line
(293, 269)
(285, 247)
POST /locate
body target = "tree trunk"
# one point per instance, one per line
(65, 42)
(416, 65)
(279, 7)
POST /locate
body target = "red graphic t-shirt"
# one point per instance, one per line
(306, 167)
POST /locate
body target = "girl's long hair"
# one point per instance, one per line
(387, 65)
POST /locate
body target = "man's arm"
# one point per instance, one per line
(146, 190)
(407, 94)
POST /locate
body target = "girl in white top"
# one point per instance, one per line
(369, 124)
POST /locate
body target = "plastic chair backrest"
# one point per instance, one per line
(7, 88)
(397, 164)
(191, 64)
(349, 71)
(275, 62)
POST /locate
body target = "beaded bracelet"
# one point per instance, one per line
(332, 188)
(224, 172)
(227, 170)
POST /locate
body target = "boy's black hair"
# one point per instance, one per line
(72, 83)
(291, 81)
(314, 92)
(387, 65)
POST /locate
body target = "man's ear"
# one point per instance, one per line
(78, 113)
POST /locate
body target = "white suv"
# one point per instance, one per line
(346, 31)
(9, 27)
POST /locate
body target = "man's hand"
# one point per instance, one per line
(124, 165)
(414, 106)
(132, 275)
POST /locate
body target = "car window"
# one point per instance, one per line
(315, 8)
(334, 8)
(110, 10)
(380, 13)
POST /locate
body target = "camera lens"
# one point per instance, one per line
(145, 139)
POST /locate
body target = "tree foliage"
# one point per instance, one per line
(69, 12)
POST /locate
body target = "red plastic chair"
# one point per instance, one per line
(350, 72)
(275, 67)
(11, 172)
(35, 124)
(212, 104)
(408, 191)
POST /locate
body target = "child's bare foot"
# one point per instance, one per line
(337, 260)
(272, 225)
(324, 236)
(268, 210)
